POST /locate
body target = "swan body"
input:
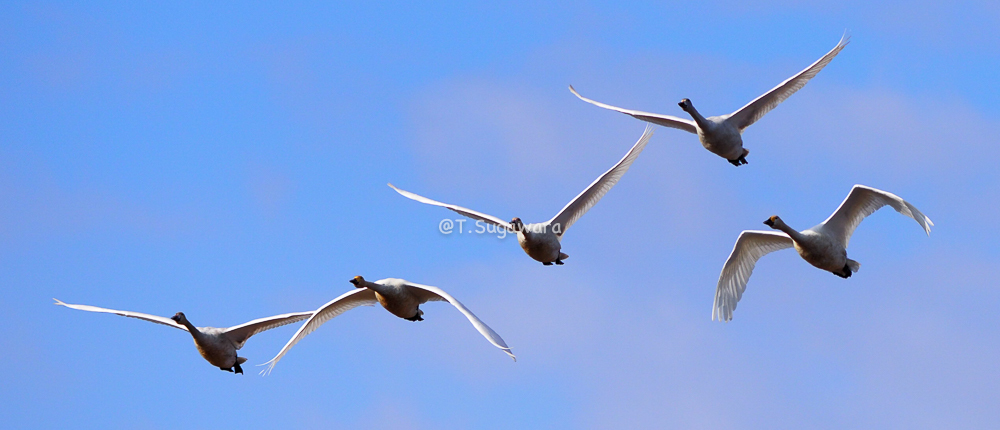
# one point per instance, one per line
(819, 249)
(542, 241)
(218, 346)
(717, 135)
(400, 297)
(539, 242)
(395, 296)
(824, 246)
(722, 135)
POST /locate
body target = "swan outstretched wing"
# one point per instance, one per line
(863, 201)
(756, 109)
(655, 118)
(593, 193)
(466, 212)
(429, 293)
(333, 308)
(240, 333)
(750, 246)
(151, 318)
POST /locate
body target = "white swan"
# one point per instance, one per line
(399, 297)
(823, 246)
(541, 241)
(722, 134)
(217, 345)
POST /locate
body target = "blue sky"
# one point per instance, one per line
(230, 162)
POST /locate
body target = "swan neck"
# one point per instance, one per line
(378, 288)
(791, 232)
(702, 122)
(191, 328)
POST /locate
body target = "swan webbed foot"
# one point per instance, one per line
(547, 263)
(559, 262)
(845, 272)
(415, 318)
(228, 370)
(238, 368)
(739, 161)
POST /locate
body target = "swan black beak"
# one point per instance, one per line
(769, 223)
(355, 282)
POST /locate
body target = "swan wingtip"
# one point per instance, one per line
(575, 93)
(267, 370)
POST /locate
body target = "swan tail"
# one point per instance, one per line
(563, 256)
(240, 360)
(853, 265)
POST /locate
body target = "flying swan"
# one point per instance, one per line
(541, 241)
(722, 134)
(217, 345)
(400, 297)
(823, 246)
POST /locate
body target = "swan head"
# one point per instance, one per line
(685, 104)
(358, 282)
(516, 224)
(774, 222)
(179, 318)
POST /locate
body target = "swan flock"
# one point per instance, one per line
(823, 246)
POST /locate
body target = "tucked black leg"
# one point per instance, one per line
(845, 272)
(228, 370)
(415, 318)
(742, 159)
(238, 368)
(735, 162)
(559, 262)
(547, 263)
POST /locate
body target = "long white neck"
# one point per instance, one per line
(378, 288)
(791, 232)
(700, 120)
(191, 328)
